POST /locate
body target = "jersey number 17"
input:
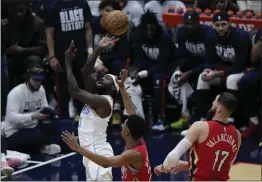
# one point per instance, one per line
(218, 162)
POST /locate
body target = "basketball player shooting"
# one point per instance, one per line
(134, 160)
(213, 145)
(96, 113)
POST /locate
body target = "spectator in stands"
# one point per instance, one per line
(113, 58)
(41, 7)
(68, 20)
(133, 9)
(24, 39)
(27, 126)
(227, 52)
(191, 40)
(225, 5)
(250, 87)
(246, 5)
(222, 5)
(152, 51)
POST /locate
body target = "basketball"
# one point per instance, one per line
(115, 22)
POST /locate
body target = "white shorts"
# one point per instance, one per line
(95, 172)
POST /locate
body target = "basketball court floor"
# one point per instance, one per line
(69, 167)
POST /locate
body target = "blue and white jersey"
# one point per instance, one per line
(92, 128)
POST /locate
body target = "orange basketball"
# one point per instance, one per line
(115, 22)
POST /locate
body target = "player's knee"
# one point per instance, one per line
(232, 81)
(201, 84)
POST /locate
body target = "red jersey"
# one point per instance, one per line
(211, 160)
(144, 174)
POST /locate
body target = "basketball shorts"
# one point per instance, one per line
(95, 172)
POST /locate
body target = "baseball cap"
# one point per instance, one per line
(191, 16)
(220, 16)
(36, 72)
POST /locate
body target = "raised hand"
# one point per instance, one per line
(120, 80)
(108, 41)
(70, 140)
(70, 53)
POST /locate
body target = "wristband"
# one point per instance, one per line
(90, 50)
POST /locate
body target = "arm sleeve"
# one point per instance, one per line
(242, 51)
(176, 153)
(12, 109)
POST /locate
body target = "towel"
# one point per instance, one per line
(180, 92)
(17, 155)
(135, 93)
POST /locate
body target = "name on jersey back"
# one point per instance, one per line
(223, 137)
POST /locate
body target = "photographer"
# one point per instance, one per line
(30, 125)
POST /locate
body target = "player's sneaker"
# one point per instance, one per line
(51, 149)
(158, 127)
(181, 123)
(6, 169)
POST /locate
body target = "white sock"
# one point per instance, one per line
(254, 120)
(3, 159)
(231, 120)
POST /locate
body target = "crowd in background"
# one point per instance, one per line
(187, 65)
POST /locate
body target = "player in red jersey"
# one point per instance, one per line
(213, 145)
(134, 162)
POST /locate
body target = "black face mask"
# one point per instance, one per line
(31, 87)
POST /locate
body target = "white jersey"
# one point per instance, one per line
(92, 128)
